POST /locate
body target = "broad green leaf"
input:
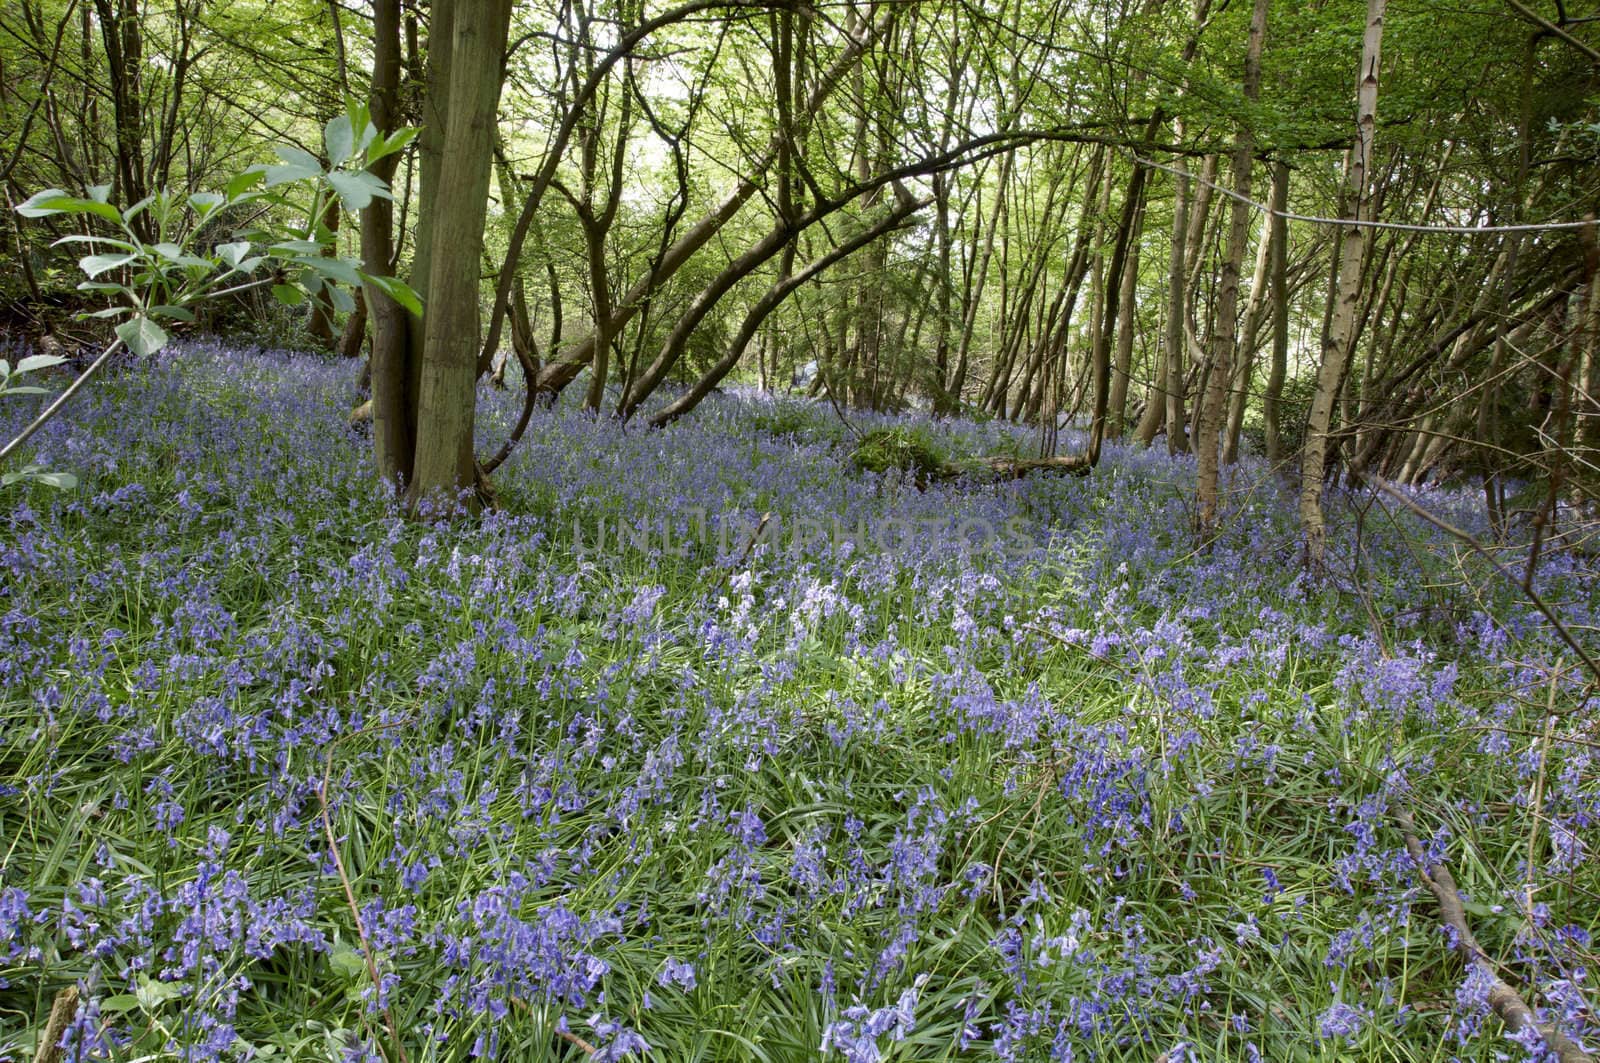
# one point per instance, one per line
(357, 188)
(23, 389)
(54, 201)
(120, 1003)
(100, 193)
(282, 175)
(347, 963)
(63, 480)
(297, 157)
(391, 144)
(398, 290)
(102, 286)
(79, 239)
(239, 184)
(94, 265)
(339, 138)
(338, 269)
(168, 251)
(152, 994)
(341, 300)
(296, 248)
(141, 206)
(234, 253)
(176, 312)
(143, 336)
(288, 294)
(38, 361)
(203, 203)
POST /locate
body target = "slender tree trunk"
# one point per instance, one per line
(1336, 348)
(393, 357)
(1214, 402)
(1125, 325)
(1174, 340)
(1249, 332)
(1271, 399)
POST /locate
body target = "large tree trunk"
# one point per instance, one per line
(446, 396)
(1214, 403)
(1341, 327)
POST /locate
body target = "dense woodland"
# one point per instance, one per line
(1125, 215)
(781, 530)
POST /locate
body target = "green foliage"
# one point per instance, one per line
(155, 282)
(159, 280)
(911, 450)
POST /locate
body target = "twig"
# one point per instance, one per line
(1478, 548)
(574, 1039)
(1505, 1001)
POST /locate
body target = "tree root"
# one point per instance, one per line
(1505, 1001)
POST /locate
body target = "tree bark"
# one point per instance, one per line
(1271, 399)
(1336, 348)
(1214, 403)
(445, 465)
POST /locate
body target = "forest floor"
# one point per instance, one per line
(983, 770)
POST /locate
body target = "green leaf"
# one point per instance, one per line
(24, 389)
(143, 336)
(295, 248)
(288, 294)
(339, 269)
(239, 184)
(78, 239)
(203, 203)
(120, 1003)
(347, 963)
(65, 481)
(398, 290)
(396, 141)
(152, 994)
(297, 157)
(339, 138)
(342, 300)
(176, 312)
(234, 253)
(38, 361)
(94, 265)
(357, 188)
(283, 175)
(54, 201)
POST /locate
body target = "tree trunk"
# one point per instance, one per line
(1214, 401)
(1336, 347)
(1244, 367)
(445, 465)
(392, 364)
(1271, 412)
